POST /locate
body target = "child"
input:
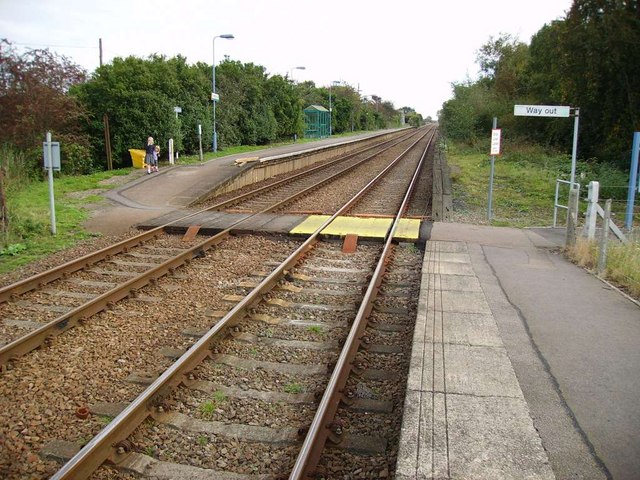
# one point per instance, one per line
(156, 156)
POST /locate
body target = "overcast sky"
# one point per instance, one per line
(407, 52)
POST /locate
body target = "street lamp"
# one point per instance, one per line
(214, 95)
(295, 68)
(335, 82)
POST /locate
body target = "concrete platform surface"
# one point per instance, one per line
(524, 365)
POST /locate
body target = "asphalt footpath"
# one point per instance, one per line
(523, 366)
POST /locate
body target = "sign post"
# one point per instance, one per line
(51, 154)
(495, 150)
(633, 177)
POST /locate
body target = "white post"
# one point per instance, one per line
(52, 206)
(592, 212)
(171, 150)
(602, 257)
(572, 218)
(200, 139)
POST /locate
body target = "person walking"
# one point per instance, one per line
(150, 157)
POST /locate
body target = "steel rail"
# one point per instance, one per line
(290, 179)
(55, 273)
(103, 445)
(55, 327)
(321, 427)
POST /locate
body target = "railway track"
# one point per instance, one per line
(278, 196)
(37, 309)
(295, 315)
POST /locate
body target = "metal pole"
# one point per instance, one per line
(633, 185)
(213, 71)
(52, 207)
(574, 152)
(330, 110)
(493, 158)
(555, 204)
(227, 36)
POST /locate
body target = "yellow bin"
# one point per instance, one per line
(137, 157)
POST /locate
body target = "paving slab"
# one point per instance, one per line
(459, 283)
(465, 414)
(464, 302)
(493, 438)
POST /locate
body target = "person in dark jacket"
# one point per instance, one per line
(149, 158)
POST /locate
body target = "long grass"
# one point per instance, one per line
(622, 265)
(523, 186)
(27, 194)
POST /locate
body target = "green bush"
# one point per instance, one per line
(76, 159)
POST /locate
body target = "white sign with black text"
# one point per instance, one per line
(495, 141)
(541, 111)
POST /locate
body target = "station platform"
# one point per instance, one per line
(525, 366)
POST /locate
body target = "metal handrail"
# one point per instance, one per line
(556, 205)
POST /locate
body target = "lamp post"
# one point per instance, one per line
(335, 82)
(214, 96)
(295, 68)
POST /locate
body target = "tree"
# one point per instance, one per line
(601, 73)
(139, 95)
(34, 100)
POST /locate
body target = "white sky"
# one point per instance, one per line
(405, 51)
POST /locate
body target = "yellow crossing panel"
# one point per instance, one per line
(408, 229)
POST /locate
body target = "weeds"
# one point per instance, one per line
(105, 419)
(208, 408)
(293, 388)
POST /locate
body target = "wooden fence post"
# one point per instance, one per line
(572, 217)
(604, 239)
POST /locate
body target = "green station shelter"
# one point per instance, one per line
(316, 122)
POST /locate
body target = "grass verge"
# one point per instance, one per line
(524, 185)
(623, 262)
(29, 236)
